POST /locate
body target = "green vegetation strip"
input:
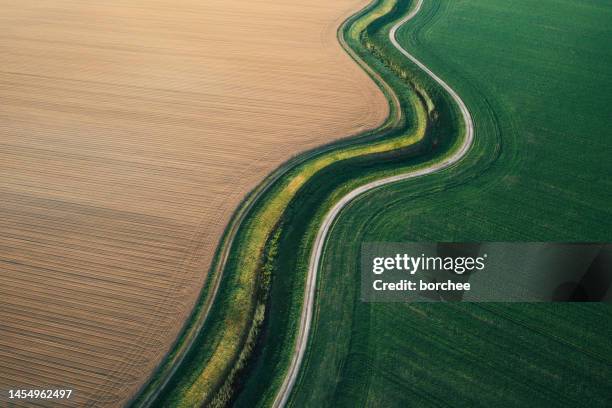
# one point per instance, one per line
(217, 347)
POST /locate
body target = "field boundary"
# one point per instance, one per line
(309, 294)
(268, 202)
(165, 371)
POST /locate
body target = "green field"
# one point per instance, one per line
(536, 78)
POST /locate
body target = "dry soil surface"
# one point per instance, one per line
(129, 132)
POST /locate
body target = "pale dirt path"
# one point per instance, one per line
(315, 259)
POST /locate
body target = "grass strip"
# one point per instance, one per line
(218, 345)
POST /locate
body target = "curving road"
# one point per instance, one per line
(315, 258)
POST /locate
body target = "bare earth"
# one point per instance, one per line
(129, 132)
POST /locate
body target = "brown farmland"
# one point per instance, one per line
(129, 132)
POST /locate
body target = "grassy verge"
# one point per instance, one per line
(220, 345)
(443, 132)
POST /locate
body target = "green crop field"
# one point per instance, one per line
(536, 77)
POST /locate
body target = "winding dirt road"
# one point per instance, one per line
(315, 259)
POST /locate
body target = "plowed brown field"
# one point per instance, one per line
(129, 132)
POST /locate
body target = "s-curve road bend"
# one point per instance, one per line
(315, 258)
